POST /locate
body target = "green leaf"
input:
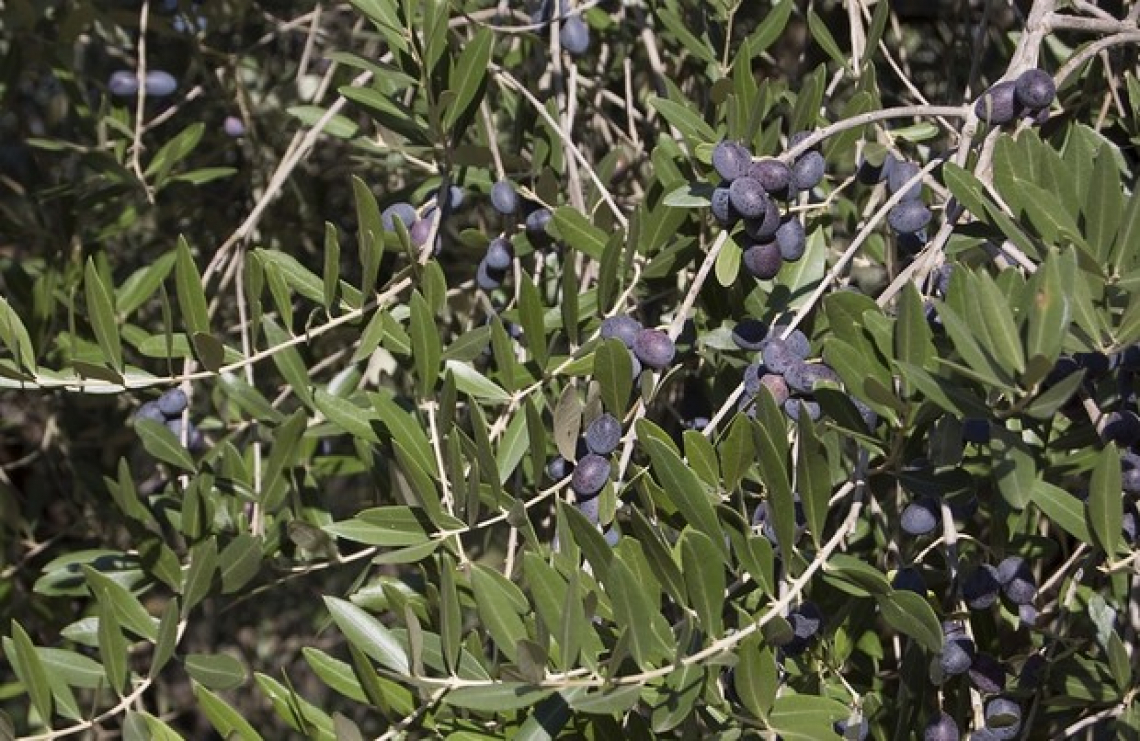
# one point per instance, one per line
(1063, 509)
(913, 337)
(394, 525)
(771, 448)
(129, 610)
(368, 634)
(912, 615)
(215, 671)
(497, 698)
(191, 297)
(704, 579)
(980, 362)
(813, 478)
(756, 677)
(681, 115)
(1104, 204)
(173, 152)
(695, 46)
(681, 485)
(167, 638)
(475, 384)
(1014, 467)
(568, 422)
(1125, 250)
(332, 266)
(531, 313)
(770, 29)
(426, 350)
(468, 80)
(823, 37)
(576, 231)
(352, 418)
(636, 613)
(500, 605)
(613, 369)
(15, 337)
(200, 576)
(966, 187)
(805, 717)
(20, 651)
(370, 235)
(75, 669)
(1105, 502)
(225, 720)
(101, 313)
(112, 648)
(240, 561)
(856, 577)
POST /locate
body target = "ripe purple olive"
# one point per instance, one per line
(731, 159)
(574, 36)
(499, 255)
(233, 126)
(771, 173)
(590, 476)
(123, 83)
(921, 516)
(980, 587)
(941, 728)
(159, 83)
(748, 334)
(807, 172)
(603, 434)
(622, 327)
(790, 238)
(908, 217)
(998, 105)
(504, 198)
(654, 348)
(401, 211)
(763, 260)
(537, 220)
(748, 197)
(1035, 89)
(721, 208)
(173, 402)
(763, 228)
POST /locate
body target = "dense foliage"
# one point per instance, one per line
(454, 369)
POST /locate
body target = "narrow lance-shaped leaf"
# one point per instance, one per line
(15, 337)
(426, 349)
(704, 579)
(29, 669)
(1105, 502)
(101, 313)
(191, 297)
(813, 478)
(332, 266)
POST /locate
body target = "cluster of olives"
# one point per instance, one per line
(420, 222)
(167, 409)
(910, 215)
(156, 83)
(589, 476)
(987, 674)
(1029, 96)
(496, 262)
(748, 192)
(784, 369)
(648, 347)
